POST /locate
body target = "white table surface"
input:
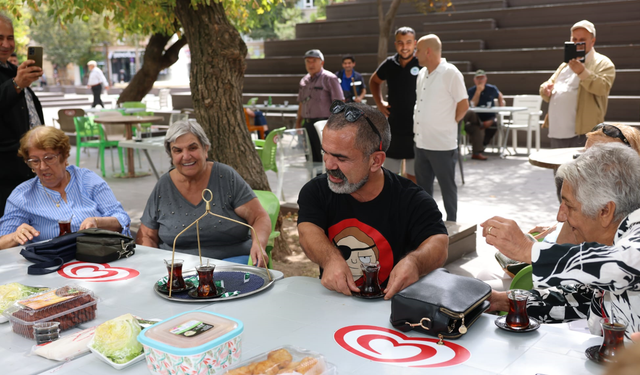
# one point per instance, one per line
(151, 143)
(135, 296)
(295, 311)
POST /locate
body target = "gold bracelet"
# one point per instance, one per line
(95, 219)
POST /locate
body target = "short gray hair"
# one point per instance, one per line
(366, 140)
(182, 127)
(5, 19)
(607, 172)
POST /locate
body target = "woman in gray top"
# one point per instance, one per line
(176, 202)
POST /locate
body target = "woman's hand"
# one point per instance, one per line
(257, 258)
(90, 222)
(25, 233)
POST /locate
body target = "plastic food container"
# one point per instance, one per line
(117, 366)
(194, 342)
(70, 305)
(285, 360)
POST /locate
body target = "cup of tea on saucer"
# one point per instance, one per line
(613, 338)
(517, 318)
(371, 285)
(178, 280)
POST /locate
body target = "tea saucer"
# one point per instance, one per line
(592, 354)
(501, 323)
(163, 287)
(219, 291)
(358, 295)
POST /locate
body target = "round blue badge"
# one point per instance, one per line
(415, 70)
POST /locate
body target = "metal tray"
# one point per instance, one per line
(254, 271)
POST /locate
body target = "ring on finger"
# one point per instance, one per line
(489, 230)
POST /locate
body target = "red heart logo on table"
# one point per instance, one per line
(96, 272)
(391, 347)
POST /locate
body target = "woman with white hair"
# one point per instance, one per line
(601, 204)
(176, 202)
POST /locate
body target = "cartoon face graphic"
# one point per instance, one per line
(357, 248)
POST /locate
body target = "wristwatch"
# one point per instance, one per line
(16, 85)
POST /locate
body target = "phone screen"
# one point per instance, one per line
(35, 54)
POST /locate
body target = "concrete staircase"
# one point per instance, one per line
(518, 42)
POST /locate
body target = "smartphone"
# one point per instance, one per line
(35, 54)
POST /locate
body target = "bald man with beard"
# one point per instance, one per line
(441, 102)
(360, 212)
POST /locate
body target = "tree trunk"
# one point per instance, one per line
(217, 74)
(385, 21)
(155, 59)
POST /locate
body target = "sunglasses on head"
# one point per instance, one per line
(611, 131)
(352, 114)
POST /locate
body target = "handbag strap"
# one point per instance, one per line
(44, 265)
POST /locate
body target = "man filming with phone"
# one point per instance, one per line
(578, 92)
(20, 110)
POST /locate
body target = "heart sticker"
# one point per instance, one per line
(95, 272)
(391, 347)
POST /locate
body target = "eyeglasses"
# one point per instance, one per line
(49, 160)
(611, 131)
(352, 114)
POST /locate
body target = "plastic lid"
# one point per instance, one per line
(191, 332)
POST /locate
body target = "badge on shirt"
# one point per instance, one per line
(415, 70)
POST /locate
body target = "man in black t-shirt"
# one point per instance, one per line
(359, 212)
(400, 71)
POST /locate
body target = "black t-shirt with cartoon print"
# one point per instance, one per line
(385, 229)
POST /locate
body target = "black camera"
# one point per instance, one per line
(574, 51)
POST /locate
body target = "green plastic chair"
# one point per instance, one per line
(522, 280)
(267, 148)
(271, 204)
(90, 134)
(252, 101)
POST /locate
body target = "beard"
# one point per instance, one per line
(344, 187)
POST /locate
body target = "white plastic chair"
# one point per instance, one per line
(319, 125)
(294, 151)
(528, 121)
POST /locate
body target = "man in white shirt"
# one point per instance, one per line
(441, 102)
(96, 81)
(578, 92)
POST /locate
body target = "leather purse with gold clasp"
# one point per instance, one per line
(440, 304)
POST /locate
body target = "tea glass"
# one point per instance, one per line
(371, 285)
(517, 318)
(613, 338)
(206, 285)
(65, 226)
(178, 280)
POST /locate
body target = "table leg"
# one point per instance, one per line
(131, 166)
(153, 167)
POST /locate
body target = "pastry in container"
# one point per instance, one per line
(194, 342)
(285, 360)
(69, 305)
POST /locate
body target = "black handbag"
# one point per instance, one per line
(103, 246)
(49, 256)
(440, 304)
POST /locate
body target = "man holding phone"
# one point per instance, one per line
(578, 92)
(20, 110)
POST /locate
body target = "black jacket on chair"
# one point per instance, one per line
(14, 122)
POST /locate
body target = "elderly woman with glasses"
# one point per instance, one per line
(58, 192)
(601, 205)
(176, 202)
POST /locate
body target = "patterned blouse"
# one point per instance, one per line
(610, 278)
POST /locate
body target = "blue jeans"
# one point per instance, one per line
(241, 259)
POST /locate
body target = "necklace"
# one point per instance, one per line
(50, 197)
(52, 200)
